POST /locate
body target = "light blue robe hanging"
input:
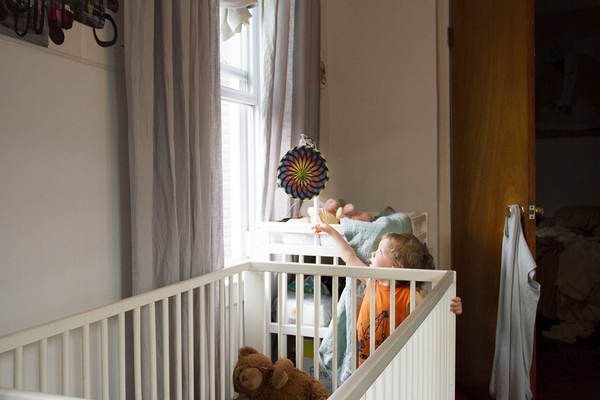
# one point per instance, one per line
(517, 304)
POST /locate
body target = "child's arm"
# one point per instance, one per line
(455, 304)
(345, 251)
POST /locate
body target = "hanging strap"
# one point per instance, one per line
(114, 39)
(13, 6)
(39, 9)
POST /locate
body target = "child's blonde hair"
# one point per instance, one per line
(409, 252)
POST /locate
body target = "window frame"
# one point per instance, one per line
(248, 143)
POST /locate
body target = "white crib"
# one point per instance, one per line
(147, 345)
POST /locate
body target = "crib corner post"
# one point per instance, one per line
(255, 311)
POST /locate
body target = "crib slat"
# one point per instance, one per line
(433, 371)
(223, 383)
(104, 357)
(66, 374)
(212, 359)
(166, 352)
(395, 374)
(409, 369)
(281, 300)
(388, 382)
(230, 331)
(371, 393)
(18, 368)
(299, 321)
(412, 295)
(354, 331)
(153, 355)
(266, 311)
(122, 365)
(435, 376)
(44, 365)
(85, 345)
(190, 334)
(372, 317)
(420, 371)
(446, 334)
(392, 306)
(334, 317)
(317, 324)
(137, 352)
(440, 357)
(380, 385)
(202, 352)
(283, 291)
(178, 348)
(240, 310)
(403, 370)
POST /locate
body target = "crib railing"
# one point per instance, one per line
(148, 345)
(417, 361)
(137, 347)
(434, 308)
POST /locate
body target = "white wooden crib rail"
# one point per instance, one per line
(91, 354)
(102, 353)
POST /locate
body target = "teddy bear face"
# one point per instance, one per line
(247, 379)
(251, 373)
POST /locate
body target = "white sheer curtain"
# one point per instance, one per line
(174, 107)
(290, 61)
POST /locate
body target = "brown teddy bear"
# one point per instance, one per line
(256, 378)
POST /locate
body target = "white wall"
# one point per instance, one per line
(379, 115)
(64, 217)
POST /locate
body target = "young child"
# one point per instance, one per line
(396, 250)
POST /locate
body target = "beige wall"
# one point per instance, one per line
(63, 182)
(380, 116)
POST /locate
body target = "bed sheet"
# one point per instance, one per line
(568, 262)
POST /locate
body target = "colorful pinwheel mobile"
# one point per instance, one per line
(303, 173)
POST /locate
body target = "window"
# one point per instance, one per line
(239, 105)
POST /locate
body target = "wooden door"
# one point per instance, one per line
(493, 166)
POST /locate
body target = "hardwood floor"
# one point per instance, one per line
(461, 396)
(567, 370)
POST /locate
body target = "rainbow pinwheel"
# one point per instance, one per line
(303, 173)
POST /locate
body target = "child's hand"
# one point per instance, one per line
(321, 226)
(456, 306)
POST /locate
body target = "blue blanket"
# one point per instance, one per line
(364, 238)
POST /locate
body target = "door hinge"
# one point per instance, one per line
(450, 37)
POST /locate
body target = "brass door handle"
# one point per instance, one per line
(533, 211)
